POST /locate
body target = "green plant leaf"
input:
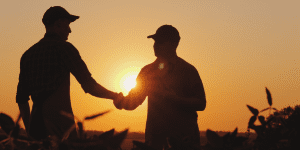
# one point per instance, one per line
(107, 134)
(6, 123)
(116, 141)
(15, 132)
(234, 133)
(258, 130)
(262, 120)
(67, 133)
(96, 115)
(80, 128)
(253, 110)
(69, 115)
(269, 97)
(265, 109)
(214, 139)
(226, 137)
(251, 122)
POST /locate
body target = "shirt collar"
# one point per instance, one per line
(169, 61)
(52, 36)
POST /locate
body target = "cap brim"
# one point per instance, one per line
(151, 36)
(73, 18)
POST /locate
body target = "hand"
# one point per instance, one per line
(119, 101)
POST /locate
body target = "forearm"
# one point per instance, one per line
(101, 92)
(133, 100)
(25, 114)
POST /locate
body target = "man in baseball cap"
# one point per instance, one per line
(45, 76)
(175, 93)
(57, 12)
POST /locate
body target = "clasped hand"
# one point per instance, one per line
(119, 101)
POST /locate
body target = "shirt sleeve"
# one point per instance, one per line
(196, 88)
(73, 62)
(22, 95)
(138, 94)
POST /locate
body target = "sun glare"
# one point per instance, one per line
(128, 82)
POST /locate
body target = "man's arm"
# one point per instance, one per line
(73, 62)
(25, 114)
(195, 100)
(97, 90)
(136, 96)
(134, 99)
(22, 98)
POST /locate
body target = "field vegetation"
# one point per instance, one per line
(279, 130)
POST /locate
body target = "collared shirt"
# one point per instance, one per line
(165, 118)
(45, 75)
(47, 64)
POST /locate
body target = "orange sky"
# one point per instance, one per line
(238, 48)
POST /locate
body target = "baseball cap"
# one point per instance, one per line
(57, 12)
(166, 33)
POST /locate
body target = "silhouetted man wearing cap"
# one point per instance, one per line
(45, 76)
(175, 92)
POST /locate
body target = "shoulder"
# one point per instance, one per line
(186, 66)
(149, 68)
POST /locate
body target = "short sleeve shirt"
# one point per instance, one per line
(164, 117)
(47, 64)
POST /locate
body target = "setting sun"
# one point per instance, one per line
(129, 82)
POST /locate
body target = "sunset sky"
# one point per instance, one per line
(238, 47)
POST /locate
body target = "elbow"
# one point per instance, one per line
(202, 106)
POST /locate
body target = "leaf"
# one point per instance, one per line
(253, 110)
(116, 141)
(6, 122)
(68, 115)
(226, 137)
(15, 132)
(283, 122)
(214, 139)
(270, 119)
(262, 120)
(234, 133)
(67, 133)
(142, 145)
(269, 97)
(258, 130)
(80, 128)
(265, 109)
(19, 118)
(107, 134)
(95, 116)
(251, 122)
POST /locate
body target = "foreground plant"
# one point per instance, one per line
(275, 132)
(13, 140)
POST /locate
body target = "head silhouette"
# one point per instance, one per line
(57, 20)
(166, 40)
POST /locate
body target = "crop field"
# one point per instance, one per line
(279, 130)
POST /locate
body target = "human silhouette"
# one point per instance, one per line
(175, 92)
(45, 76)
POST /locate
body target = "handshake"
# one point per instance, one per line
(119, 101)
